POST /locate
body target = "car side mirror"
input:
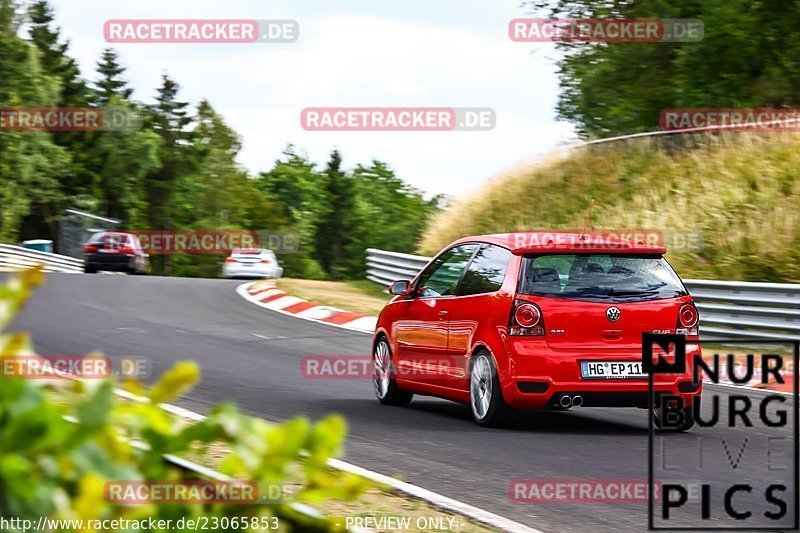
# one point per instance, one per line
(400, 288)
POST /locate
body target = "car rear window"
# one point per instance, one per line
(599, 277)
(110, 239)
(246, 251)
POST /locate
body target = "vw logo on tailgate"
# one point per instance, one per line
(612, 314)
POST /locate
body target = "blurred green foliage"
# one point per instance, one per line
(56, 457)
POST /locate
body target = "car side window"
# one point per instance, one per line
(486, 272)
(442, 276)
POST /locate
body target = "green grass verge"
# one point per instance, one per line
(739, 191)
(357, 296)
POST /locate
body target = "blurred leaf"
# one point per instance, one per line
(179, 379)
(94, 411)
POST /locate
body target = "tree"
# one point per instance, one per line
(31, 163)
(76, 176)
(218, 194)
(169, 119)
(339, 228)
(393, 213)
(121, 161)
(74, 90)
(295, 185)
(747, 58)
(179, 170)
(10, 17)
(111, 83)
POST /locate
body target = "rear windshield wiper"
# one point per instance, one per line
(618, 292)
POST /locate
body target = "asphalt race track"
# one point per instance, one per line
(431, 443)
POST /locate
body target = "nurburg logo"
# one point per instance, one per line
(612, 314)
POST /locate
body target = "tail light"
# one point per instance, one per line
(126, 249)
(688, 317)
(90, 248)
(526, 319)
(230, 260)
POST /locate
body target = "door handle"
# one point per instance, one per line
(442, 313)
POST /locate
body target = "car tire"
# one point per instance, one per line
(89, 269)
(486, 402)
(386, 389)
(687, 420)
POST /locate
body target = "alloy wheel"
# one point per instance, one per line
(480, 387)
(381, 363)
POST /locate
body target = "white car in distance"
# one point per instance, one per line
(251, 263)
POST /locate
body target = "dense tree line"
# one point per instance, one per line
(179, 170)
(748, 57)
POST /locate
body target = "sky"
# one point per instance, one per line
(416, 53)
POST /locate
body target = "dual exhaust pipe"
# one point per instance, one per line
(567, 401)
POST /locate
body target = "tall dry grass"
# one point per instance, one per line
(740, 191)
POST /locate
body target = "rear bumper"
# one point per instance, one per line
(537, 377)
(233, 270)
(115, 262)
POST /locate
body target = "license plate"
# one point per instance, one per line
(612, 370)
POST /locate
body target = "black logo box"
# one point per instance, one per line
(679, 341)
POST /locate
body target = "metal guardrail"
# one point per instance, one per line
(16, 258)
(737, 309)
(384, 267)
(728, 309)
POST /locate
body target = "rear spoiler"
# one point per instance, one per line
(623, 247)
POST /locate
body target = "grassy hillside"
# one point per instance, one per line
(741, 191)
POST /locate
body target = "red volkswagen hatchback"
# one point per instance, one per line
(534, 321)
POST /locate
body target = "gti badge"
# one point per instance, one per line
(612, 314)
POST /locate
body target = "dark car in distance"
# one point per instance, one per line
(115, 251)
